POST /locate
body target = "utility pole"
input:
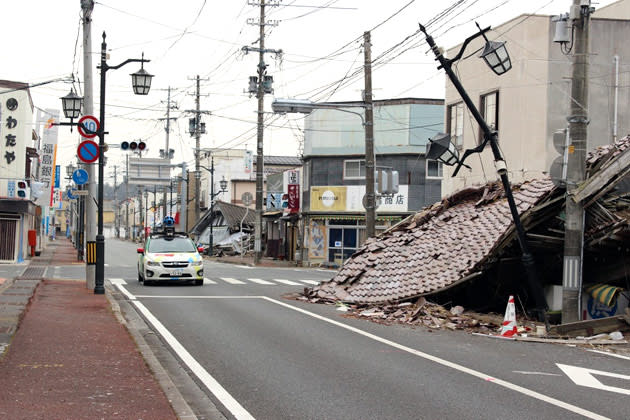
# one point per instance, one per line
(167, 151)
(370, 208)
(576, 165)
(259, 142)
(264, 86)
(197, 128)
(197, 146)
(89, 206)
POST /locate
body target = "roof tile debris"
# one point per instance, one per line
(432, 250)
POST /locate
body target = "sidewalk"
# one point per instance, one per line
(69, 357)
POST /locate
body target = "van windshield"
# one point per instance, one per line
(171, 245)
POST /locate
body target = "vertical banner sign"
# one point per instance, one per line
(294, 192)
(57, 176)
(248, 161)
(47, 153)
(294, 198)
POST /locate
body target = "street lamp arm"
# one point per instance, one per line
(337, 108)
(467, 153)
(127, 61)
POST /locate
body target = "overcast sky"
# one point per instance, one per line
(322, 59)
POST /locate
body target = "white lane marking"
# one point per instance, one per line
(261, 281)
(443, 362)
(610, 354)
(123, 290)
(232, 281)
(315, 282)
(584, 377)
(523, 372)
(117, 281)
(208, 281)
(289, 282)
(215, 387)
(105, 265)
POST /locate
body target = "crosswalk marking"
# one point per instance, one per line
(289, 282)
(260, 281)
(310, 281)
(206, 280)
(232, 281)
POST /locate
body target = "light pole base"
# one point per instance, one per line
(99, 286)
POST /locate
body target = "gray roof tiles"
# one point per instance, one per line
(432, 250)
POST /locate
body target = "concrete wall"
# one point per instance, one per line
(522, 103)
(534, 97)
(617, 10)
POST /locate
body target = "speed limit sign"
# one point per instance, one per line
(88, 126)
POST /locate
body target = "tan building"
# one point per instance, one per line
(531, 101)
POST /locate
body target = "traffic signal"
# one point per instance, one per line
(133, 145)
(23, 190)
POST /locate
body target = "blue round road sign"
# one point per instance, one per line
(88, 151)
(80, 176)
(70, 195)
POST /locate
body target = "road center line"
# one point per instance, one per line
(446, 363)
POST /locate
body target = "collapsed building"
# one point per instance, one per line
(463, 250)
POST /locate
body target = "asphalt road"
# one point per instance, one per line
(259, 355)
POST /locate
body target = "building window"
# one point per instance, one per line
(455, 121)
(434, 169)
(490, 109)
(353, 169)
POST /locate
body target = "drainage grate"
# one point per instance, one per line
(33, 273)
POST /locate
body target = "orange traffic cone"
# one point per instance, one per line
(509, 321)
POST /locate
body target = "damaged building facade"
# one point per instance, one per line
(333, 214)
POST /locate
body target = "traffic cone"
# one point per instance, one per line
(509, 321)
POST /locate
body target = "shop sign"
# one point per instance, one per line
(327, 198)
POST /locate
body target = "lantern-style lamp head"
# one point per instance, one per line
(70, 170)
(441, 149)
(496, 57)
(223, 184)
(141, 80)
(71, 104)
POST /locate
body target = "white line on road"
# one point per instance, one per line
(208, 281)
(523, 372)
(215, 387)
(261, 281)
(119, 283)
(232, 281)
(443, 362)
(315, 282)
(610, 354)
(289, 282)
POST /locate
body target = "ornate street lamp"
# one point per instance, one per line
(141, 81)
(496, 56)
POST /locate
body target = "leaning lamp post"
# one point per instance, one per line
(440, 148)
(141, 82)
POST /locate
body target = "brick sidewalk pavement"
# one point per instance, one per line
(70, 358)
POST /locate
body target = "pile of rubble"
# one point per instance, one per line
(419, 313)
